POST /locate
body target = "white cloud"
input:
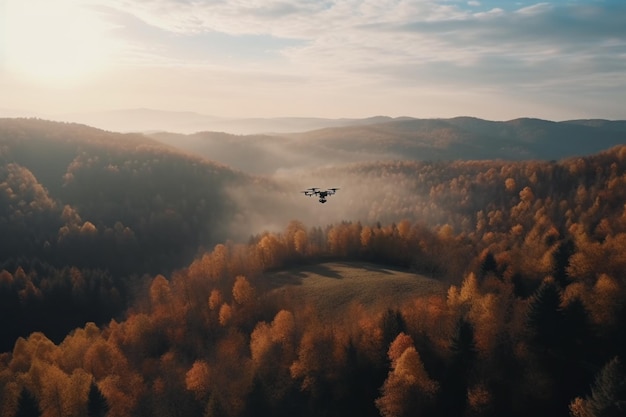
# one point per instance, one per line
(535, 9)
(325, 48)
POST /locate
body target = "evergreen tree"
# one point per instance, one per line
(456, 381)
(561, 261)
(608, 393)
(97, 404)
(544, 316)
(392, 325)
(27, 405)
(463, 344)
(488, 264)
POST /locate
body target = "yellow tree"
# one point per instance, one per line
(243, 293)
(215, 299)
(198, 379)
(122, 393)
(103, 359)
(408, 390)
(75, 345)
(27, 351)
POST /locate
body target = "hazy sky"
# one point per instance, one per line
(330, 58)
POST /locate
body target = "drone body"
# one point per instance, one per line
(321, 194)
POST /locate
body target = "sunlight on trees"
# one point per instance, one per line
(408, 390)
(197, 379)
(243, 293)
(215, 299)
(225, 314)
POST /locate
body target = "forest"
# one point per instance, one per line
(139, 280)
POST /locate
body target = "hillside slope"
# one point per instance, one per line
(71, 194)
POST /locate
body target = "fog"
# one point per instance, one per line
(386, 169)
(272, 202)
(271, 154)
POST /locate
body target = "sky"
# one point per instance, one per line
(496, 60)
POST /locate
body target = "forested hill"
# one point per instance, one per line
(531, 253)
(461, 138)
(75, 195)
(83, 210)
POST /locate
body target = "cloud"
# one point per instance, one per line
(349, 33)
(337, 50)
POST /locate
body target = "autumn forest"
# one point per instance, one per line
(141, 279)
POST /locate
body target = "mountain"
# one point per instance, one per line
(463, 138)
(150, 120)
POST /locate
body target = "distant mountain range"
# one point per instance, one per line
(150, 120)
(268, 145)
(406, 139)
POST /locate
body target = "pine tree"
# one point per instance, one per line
(544, 316)
(456, 381)
(488, 264)
(97, 404)
(392, 325)
(608, 393)
(27, 405)
(463, 344)
(561, 257)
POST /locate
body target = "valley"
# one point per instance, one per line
(189, 276)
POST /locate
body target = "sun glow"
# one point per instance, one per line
(54, 43)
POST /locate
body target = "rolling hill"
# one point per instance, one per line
(461, 138)
(118, 201)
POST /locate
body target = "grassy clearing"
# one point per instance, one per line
(333, 287)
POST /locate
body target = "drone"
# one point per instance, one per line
(321, 194)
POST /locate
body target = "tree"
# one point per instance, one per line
(197, 379)
(215, 299)
(608, 394)
(55, 391)
(544, 316)
(408, 389)
(27, 405)
(561, 257)
(392, 324)
(225, 314)
(97, 404)
(488, 264)
(463, 345)
(456, 383)
(243, 292)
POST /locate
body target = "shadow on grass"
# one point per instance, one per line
(295, 276)
(369, 267)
